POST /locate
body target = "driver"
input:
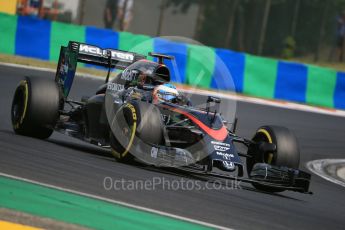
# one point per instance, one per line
(154, 89)
(165, 93)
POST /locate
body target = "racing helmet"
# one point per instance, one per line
(144, 79)
(165, 93)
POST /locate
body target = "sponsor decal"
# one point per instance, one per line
(129, 75)
(118, 55)
(122, 55)
(126, 75)
(115, 87)
(226, 156)
(131, 107)
(91, 50)
(221, 148)
(220, 143)
(154, 152)
(229, 164)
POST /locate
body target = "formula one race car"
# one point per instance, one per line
(139, 115)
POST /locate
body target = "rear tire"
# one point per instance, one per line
(35, 107)
(135, 121)
(287, 153)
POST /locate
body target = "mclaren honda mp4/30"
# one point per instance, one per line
(137, 120)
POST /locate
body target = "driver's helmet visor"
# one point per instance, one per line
(166, 92)
(166, 96)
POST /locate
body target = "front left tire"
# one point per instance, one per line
(134, 121)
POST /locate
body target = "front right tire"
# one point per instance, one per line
(287, 151)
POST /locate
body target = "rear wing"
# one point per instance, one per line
(104, 57)
(80, 52)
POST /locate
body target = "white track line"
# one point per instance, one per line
(318, 168)
(125, 204)
(231, 96)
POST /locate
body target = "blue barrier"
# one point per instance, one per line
(252, 75)
(110, 39)
(339, 94)
(291, 82)
(228, 64)
(179, 51)
(33, 38)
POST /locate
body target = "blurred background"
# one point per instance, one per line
(304, 30)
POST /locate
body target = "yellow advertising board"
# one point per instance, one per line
(8, 6)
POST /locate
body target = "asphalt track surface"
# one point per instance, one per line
(69, 163)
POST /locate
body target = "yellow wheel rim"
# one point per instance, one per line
(270, 140)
